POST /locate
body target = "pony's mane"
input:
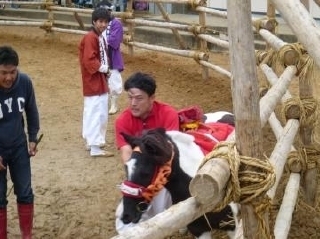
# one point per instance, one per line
(155, 143)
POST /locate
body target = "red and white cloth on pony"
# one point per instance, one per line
(206, 134)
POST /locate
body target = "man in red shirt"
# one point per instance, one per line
(143, 113)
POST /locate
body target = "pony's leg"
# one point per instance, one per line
(205, 235)
(238, 231)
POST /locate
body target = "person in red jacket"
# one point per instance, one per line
(94, 66)
(143, 113)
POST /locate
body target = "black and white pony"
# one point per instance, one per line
(167, 160)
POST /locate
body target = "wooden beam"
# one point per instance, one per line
(245, 94)
(302, 24)
(166, 223)
(175, 32)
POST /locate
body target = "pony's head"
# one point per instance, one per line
(147, 169)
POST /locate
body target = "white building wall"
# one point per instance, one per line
(260, 6)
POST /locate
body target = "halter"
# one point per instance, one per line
(160, 178)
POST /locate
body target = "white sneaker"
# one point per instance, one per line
(102, 153)
(113, 110)
(96, 151)
(88, 148)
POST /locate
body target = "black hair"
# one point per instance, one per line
(100, 13)
(142, 81)
(8, 56)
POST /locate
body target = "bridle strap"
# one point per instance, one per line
(130, 189)
(160, 178)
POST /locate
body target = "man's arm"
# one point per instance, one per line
(172, 120)
(125, 152)
(116, 34)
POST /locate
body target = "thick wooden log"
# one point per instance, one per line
(175, 32)
(185, 53)
(210, 181)
(302, 24)
(292, 112)
(275, 93)
(130, 26)
(79, 20)
(273, 78)
(278, 157)
(211, 11)
(291, 129)
(215, 68)
(284, 216)
(203, 44)
(71, 31)
(70, 9)
(167, 222)
(290, 57)
(309, 178)
(33, 3)
(271, 39)
(245, 94)
(88, 11)
(172, 26)
(21, 23)
(271, 14)
(214, 40)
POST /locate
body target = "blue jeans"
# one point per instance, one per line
(18, 161)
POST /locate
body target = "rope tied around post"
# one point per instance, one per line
(310, 157)
(302, 109)
(295, 163)
(195, 3)
(250, 179)
(267, 23)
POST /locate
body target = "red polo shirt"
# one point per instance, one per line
(161, 115)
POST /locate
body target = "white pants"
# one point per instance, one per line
(95, 119)
(158, 204)
(115, 83)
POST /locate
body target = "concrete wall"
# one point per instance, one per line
(260, 6)
(257, 6)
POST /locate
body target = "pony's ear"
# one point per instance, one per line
(161, 130)
(155, 143)
(129, 139)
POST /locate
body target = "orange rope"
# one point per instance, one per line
(159, 182)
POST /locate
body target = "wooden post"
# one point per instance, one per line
(130, 26)
(203, 44)
(309, 178)
(271, 13)
(245, 94)
(302, 24)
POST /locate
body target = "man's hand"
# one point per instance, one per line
(2, 167)
(32, 148)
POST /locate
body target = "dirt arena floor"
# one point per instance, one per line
(75, 195)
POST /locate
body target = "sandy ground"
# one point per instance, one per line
(75, 195)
